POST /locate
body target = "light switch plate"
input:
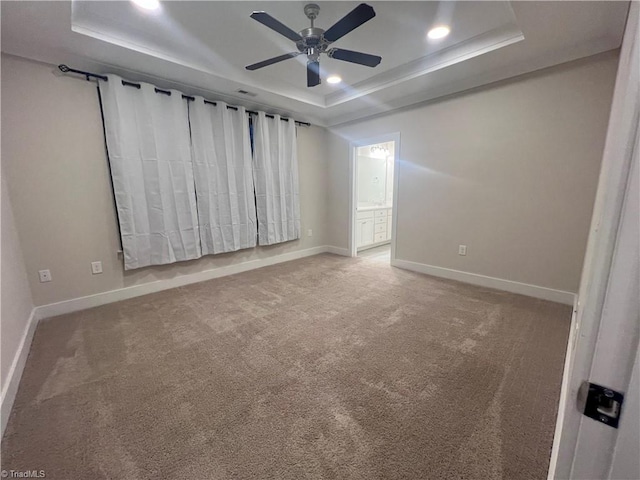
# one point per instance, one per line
(462, 249)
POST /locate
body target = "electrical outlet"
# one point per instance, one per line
(462, 249)
(45, 276)
(309, 233)
(96, 267)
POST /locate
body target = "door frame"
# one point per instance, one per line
(353, 178)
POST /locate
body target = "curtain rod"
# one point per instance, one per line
(88, 75)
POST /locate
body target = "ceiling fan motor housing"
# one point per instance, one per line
(313, 42)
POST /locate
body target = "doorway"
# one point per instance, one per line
(373, 210)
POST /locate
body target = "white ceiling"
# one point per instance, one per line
(202, 47)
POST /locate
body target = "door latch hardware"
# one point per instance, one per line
(600, 403)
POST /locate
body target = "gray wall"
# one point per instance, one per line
(54, 159)
(510, 170)
(16, 304)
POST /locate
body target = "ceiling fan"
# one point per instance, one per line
(313, 41)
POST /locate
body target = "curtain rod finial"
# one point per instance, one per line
(58, 71)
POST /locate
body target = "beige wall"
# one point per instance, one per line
(54, 159)
(16, 304)
(510, 170)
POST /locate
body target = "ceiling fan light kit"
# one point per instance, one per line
(314, 41)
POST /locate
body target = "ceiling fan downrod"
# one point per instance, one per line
(312, 10)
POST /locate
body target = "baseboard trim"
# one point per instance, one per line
(15, 372)
(90, 301)
(535, 291)
(338, 251)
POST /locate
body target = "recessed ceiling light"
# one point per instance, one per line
(147, 4)
(440, 31)
(334, 79)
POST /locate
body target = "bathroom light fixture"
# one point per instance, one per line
(147, 4)
(334, 79)
(379, 151)
(438, 32)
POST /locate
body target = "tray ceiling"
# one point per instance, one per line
(202, 47)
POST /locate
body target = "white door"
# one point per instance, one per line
(616, 350)
(605, 337)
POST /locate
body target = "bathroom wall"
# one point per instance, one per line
(372, 173)
(375, 176)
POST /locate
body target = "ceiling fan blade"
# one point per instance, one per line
(352, 20)
(273, 60)
(354, 57)
(268, 21)
(313, 74)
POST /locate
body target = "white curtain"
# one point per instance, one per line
(223, 176)
(276, 179)
(150, 157)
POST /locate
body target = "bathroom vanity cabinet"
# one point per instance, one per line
(373, 226)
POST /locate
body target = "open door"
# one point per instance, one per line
(373, 206)
(603, 347)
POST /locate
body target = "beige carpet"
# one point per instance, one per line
(321, 368)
